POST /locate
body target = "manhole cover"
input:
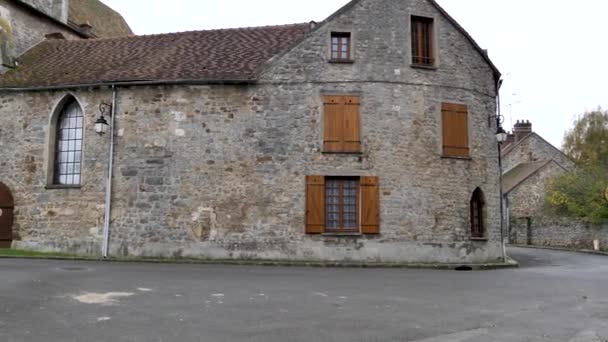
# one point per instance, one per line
(73, 268)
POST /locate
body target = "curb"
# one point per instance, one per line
(281, 263)
(564, 249)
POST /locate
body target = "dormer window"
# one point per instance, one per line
(341, 47)
(423, 53)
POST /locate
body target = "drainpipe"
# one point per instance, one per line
(502, 214)
(108, 204)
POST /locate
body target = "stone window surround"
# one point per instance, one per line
(351, 57)
(484, 214)
(51, 143)
(436, 49)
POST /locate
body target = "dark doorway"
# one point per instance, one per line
(6, 216)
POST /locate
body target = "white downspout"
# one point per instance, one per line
(108, 204)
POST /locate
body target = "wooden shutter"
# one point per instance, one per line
(455, 130)
(352, 124)
(370, 205)
(332, 124)
(341, 124)
(315, 204)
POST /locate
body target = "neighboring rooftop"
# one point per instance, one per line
(214, 55)
(520, 173)
(106, 22)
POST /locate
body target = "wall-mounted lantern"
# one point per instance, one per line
(101, 125)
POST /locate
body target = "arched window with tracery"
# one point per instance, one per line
(68, 144)
(477, 214)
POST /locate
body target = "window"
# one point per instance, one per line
(68, 145)
(341, 124)
(477, 217)
(342, 205)
(422, 41)
(340, 46)
(455, 130)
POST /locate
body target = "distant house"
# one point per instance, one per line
(363, 137)
(529, 164)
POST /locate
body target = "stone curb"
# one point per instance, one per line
(586, 251)
(284, 263)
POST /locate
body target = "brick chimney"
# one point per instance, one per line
(522, 129)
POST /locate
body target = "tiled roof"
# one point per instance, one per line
(106, 22)
(520, 173)
(214, 55)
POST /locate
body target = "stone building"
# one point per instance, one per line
(529, 164)
(364, 137)
(25, 23)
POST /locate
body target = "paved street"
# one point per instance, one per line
(554, 296)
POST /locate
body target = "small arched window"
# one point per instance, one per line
(477, 214)
(68, 144)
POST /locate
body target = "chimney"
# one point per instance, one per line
(54, 36)
(86, 28)
(522, 129)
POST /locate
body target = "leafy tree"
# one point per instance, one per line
(583, 193)
(587, 142)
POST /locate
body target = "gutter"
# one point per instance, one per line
(133, 83)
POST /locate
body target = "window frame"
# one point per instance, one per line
(431, 42)
(341, 228)
(349, 48)
(477, 216)
(368, 210)
(52, 141)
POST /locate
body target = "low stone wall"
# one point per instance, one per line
(561, 232)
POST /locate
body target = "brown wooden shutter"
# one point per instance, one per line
(352, 124)
(342, 124)
(455, 130)
(315, 204)
(370, 205)
(332, 124)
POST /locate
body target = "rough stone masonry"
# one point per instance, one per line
(219, 171)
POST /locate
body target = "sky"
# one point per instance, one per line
(552, 53)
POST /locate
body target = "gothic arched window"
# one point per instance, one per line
(477, 214)
(68, 144)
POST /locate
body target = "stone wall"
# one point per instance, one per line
(26, 27)
(557, 232)
(219, 171)
(529, 198)
(57, 9)
(534, 148)
(531, 223)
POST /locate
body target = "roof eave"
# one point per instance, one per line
(123, 83)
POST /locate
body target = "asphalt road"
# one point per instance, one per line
(554, 296)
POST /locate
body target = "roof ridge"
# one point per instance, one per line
(169, 34)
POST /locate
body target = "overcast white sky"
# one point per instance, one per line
(552, 53)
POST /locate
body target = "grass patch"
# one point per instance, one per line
(24, 253)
